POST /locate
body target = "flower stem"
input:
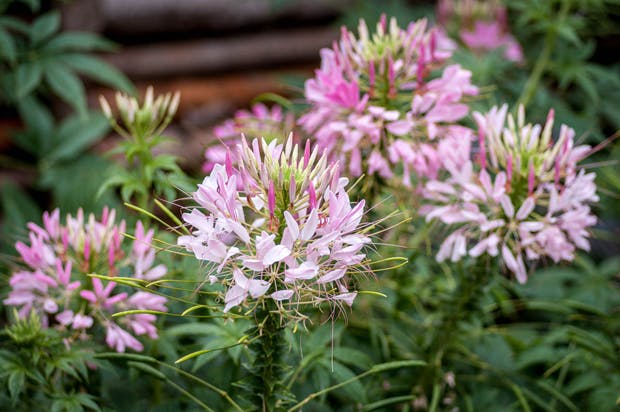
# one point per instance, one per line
(464, 303)
(267, 372)
(543, 60)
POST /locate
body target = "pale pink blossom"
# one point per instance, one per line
(259, 122)
(522, 194)
(58, 288)
(376, 103)
(278, 225)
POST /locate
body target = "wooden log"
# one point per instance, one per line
(140, 17)
(218, 55)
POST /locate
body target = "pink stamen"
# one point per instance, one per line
(371, 78)
(482, 156)
(307, 153)
(311, 196)
(271, 199)
(531, 179)
(228, 164)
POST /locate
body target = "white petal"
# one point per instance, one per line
(332, 275)
(258, 287)
(282, 294)
(276, 254)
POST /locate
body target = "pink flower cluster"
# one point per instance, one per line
(56, 283)
(278, 225)
(376, 102)
(481, 25)
(523, 196)
(261, 121)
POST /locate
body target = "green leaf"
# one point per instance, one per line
(76, 134)
(87, 401)
(16, 383)
(98, 70)
(7, 46)
(28, 76)
(66, 85)
(39, 125)
(18, 208)
(79, 41)
(44, 27)
(352, 357)
(354, 390)
(147, 369)
(74, 184)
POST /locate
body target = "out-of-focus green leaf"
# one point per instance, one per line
(44, 27)
(98, 70)
(78, 41)
(7, 46)
(76, 134)
(39, 125)
(28, 77)
(67, 85)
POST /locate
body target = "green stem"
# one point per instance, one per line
(462, 305)
(543, 60)
(266, 382)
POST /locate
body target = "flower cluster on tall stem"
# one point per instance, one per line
(56, 283)
(261, 121)
(378, 106)
(278, 225)
(523, 196)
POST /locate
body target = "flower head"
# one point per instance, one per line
(56, 284)
(279, 226)
(523, 197)
(376, 102)
(481, 26)
(261, 121)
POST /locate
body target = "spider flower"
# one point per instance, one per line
(377, 101)
(523, 197)
(278, 227)
(482, 26)
(261, 121)
(56, 283)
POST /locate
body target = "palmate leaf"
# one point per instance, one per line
(78, 41)
(7, 46)
(76, 134)
(99, 70)
(27, 77)
(44, 27)
(65, 84)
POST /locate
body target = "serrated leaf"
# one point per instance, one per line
(99, 70)
(7, 46)
(66, 85)
(27, 77)
(44, 27)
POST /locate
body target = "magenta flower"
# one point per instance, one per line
(377, 106)
(58, 288)
(482, 26)
(523, 197)
(279, 226)
(260, 122)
